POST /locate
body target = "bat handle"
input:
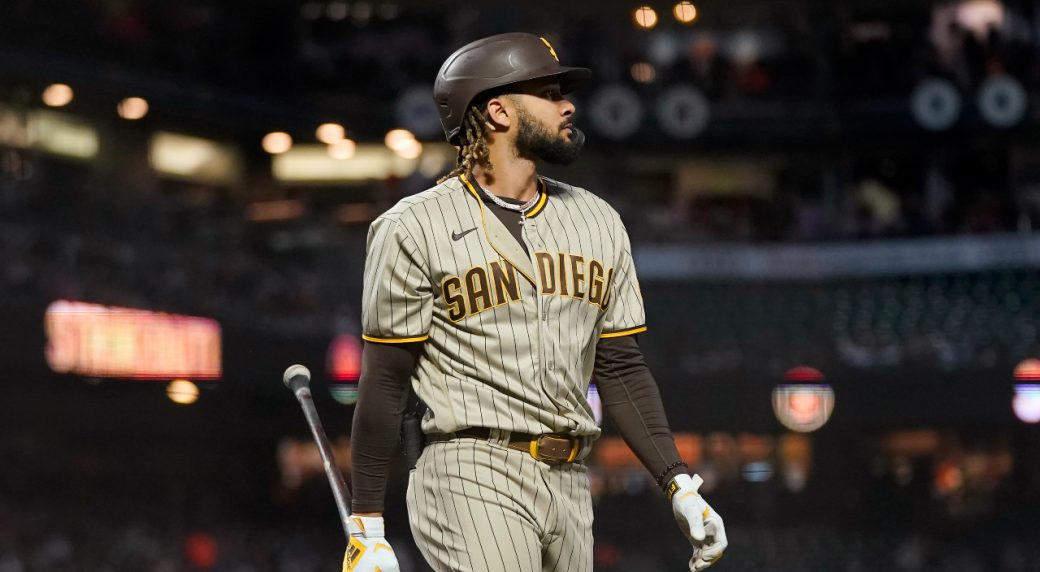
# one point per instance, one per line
(339, 488)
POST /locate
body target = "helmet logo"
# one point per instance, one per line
(552, 51)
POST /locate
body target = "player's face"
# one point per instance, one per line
(545, 128)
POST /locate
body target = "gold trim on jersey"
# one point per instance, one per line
(469, 187)
(540, 205)
(487, 235)
(620, 333)
(368, 338)
(543, 189)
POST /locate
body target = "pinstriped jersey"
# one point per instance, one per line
(509, 335)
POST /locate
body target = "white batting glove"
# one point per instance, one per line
(368, 550)
(702, 526)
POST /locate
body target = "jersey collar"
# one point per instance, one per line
(501, 240)
(533, 212)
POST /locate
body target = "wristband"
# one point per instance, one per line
(668, 469)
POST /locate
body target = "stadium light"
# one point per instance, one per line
(182, 392)
(685, 12)
(132, 108)
(411, 150)
(277, 142)
(399, 139)
(330, 133)
(643, 72)
(645, 17)
(342, 149)
(57, 95)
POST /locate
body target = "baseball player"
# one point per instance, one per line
(497, 295)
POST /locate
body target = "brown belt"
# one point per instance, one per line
(550, 448)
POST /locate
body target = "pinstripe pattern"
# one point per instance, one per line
(476, 506)
(520, 363)
(502, 368)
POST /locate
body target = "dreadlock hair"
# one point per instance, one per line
(474, 149)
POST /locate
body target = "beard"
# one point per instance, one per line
(537, 142)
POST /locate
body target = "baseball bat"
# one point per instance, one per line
(297, 378)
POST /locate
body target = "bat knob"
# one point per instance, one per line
(296, 377)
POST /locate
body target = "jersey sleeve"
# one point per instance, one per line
(397, 304)
(624, 313)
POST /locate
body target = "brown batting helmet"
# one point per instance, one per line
(494, 62)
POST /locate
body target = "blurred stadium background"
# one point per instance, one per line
(834, 208)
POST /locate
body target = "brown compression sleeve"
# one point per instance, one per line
(631, 399)
(376, 431)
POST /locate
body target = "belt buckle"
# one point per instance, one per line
(553, 449)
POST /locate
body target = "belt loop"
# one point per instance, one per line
(495, 436)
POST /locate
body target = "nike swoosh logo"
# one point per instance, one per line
(459, 235)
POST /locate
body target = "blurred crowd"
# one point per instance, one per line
(941, 322)
(49, 537)
(818, 548)
(902, 195)
(781, 50)
(162, 511)
(57, 242)
(215, 279)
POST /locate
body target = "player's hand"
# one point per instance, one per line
(702, 526)
(368, 550)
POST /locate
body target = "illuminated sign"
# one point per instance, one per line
(1028, 371)
(804, 402)
(103, 341)
(345, 358)
(49, 131)
(803, 407)
(370, 161)
(344, 365)
(1026, 402)
(194, 158)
